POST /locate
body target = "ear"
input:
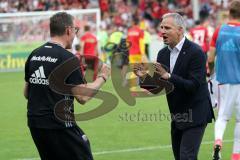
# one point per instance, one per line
(67, 31)
(181, 30)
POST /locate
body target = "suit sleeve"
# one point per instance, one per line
(196, 75)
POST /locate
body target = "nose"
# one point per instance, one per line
(162, 30)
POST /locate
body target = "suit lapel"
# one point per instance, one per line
(167, 62)
(181, 55)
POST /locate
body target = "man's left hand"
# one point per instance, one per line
(161, 71)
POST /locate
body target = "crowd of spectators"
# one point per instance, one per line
(7, 6)
(120, 13)
(117, 11)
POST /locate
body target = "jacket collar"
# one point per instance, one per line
(179, 45)
(181, 55)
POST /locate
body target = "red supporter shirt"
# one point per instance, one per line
(215, 34)
(155, 10)
(134, 35)
(200, 36)
(90, 44)
(142, 5)
(103, 5)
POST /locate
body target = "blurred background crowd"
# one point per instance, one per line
(120, 12)
(118, 16)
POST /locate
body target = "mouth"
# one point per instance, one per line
(165, 38)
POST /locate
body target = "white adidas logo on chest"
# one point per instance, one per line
(38, 77)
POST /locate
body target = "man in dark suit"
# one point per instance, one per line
(182, 63)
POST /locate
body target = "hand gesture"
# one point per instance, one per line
(105, 71)
(140, 69)
(161, 71)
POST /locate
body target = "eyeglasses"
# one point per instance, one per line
(76, 29)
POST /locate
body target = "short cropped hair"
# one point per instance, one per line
(86, 28)
(234, 9)
(178, 19)
(59, 22)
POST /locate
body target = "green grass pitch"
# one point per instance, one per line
(112, 137)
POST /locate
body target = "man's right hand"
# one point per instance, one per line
(140, 69)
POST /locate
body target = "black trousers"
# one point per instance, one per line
(62, 144)
(186, 143)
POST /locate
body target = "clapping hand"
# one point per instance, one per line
(105, 71)
(161, 71)
(140, 69)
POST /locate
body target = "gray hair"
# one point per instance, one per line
(178, 19)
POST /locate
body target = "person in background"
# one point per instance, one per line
(119, 54)
(200, 35)
(103, 39)
(225, 47)
(147, 41)
(82, 64)
(135, 37)
(89, 50)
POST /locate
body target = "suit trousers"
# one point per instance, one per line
(186, 143)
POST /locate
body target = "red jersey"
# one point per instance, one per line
(142, 5)
(133, 36)
(155, 10)
(201, 37)
(90, 44)
(103, 5)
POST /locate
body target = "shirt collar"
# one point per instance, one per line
(178, 46)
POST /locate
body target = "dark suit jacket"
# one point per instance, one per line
(189, 102)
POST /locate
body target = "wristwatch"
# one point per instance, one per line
(102, 77)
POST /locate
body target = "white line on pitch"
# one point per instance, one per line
(135, 149)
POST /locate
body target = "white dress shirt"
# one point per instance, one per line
(174, 53)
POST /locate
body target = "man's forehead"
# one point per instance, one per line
(168, 21)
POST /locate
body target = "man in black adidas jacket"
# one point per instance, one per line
(53, 128)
